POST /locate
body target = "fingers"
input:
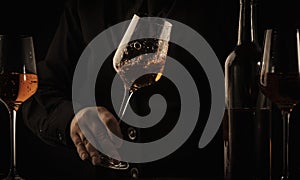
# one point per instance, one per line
(86, 125)
(83, 154)
(102, 140)
(81, 150)
(84, 149)
(110, 148)
(112, 125)
(94, 155)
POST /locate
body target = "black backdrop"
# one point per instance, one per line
(40, 19)
(37, 18)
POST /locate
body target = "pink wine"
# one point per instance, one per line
(15, 88)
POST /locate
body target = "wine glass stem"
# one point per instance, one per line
(285, 150)
(125, 101)
(122, 104)
(13, 166)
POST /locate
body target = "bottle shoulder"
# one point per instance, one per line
(248, 46)
(247, 52)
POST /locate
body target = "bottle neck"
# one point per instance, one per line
(247, 22)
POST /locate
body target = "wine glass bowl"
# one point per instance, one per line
(18, 76)
(141, 55)
(280, 78)
(142, 62)
(280, 73)
(18, 82)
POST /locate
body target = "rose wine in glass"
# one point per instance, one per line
(280, 79)
(18, 82)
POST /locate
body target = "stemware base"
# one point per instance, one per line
(13, 175)
(113, 164)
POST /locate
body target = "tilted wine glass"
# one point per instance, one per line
(280, 78)
(18, 82)
(141, 55)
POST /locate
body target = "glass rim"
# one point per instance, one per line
(282, 29)
(164, 22)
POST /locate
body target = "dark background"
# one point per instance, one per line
(40, 19)
(37, 18)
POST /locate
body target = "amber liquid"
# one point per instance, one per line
(139, 63)
(15, 88)
(142, 62)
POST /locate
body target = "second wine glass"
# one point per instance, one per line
(280, 79)
(18, 82)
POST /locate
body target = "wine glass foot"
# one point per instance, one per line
(119, 166)
(113, 164)
(13, 175)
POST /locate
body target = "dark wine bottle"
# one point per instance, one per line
(246, 125)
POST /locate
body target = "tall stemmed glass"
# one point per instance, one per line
(141, 55)
(18, 82)
(280, 78)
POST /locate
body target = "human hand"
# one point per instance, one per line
(93, 127)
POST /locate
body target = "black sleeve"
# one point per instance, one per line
(49, 112)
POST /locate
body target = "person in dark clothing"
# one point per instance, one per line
(50, 115)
